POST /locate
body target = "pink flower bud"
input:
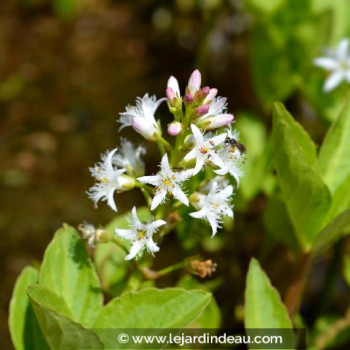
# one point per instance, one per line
(211, 95)
(188, 98)
(174, 128)
(170, 94)
(174, 85)
(217, 121)
(203, 109)
(194, 83)
(206, 90)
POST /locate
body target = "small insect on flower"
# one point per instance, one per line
(166, 182)
(234, 144)
(232, 155)
(109, 179)
(140, 234)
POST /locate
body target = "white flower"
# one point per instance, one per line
(204, 149)
(231, 156)
(140, 234)
(129, 157)
(141, 117)
(92, 235)
(109, 179)
(338, 63)
(213, 206)
(167, 181)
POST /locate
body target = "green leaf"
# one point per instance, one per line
(24, 328)
(154, 308)
(278, 224)
(60, 331)
(151, 308)
(211, 316)
(306, 197)
(334, 160)
(263, 305)
(45, 296)
(332, 232)
(340, 200)
(68, 271)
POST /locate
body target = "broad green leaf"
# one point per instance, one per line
(211, 316)
(332, 232)
(340, 199)
(24, 328)
(278, 224)
(154, 308)
(110, 260)
(263, 305)
(334, 160)
(68, 271)
(306, 197)
(47, 297)
(59, 330)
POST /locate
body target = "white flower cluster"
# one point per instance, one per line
(201, 142)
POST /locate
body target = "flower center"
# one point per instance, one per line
(141, 234)
(166, 182)
(344, 65)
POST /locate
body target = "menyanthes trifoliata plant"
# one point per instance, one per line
(204, 146)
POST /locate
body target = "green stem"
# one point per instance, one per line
(164, 144)
(171, 268)
(161, 147)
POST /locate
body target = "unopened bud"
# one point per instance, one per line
(188, 98)
(215, 122)
(126, 183)
(93, 235)
(203, 110)
(170, 94)
(174, 128)
(211, 95)
(194, 83)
